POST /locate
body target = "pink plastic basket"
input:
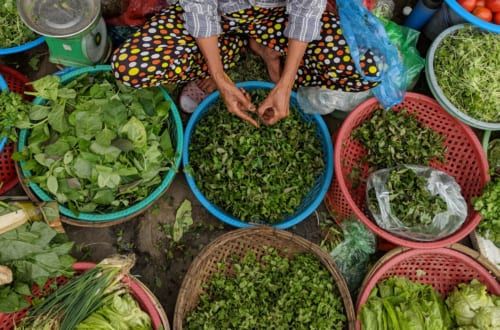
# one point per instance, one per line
(443, 269)
(465, 161)
(142, 295)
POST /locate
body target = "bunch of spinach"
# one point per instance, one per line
(13, 31)
(398, 138)
(258, 175)
(35, 253)
(488, 205)
(97, 145)
(271, 293)
(410, 199)
(13, 113)
(398, 303)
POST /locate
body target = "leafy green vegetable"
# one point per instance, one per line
(97, 146)
(270, 293)
(398, 138)
(13, 113)
(494, 157)
(400, 304)
(83, 295)
(410, 199)
(466, 65)
(471, 305)
(183, 220)
(13, 31)
(35, 253)
(256, 174)
(488, 205)
(121, 312)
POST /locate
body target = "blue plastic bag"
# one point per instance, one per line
(363, 32)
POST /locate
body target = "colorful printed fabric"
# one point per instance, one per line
(162, 51)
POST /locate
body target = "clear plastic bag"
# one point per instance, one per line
(405, 39)
(352, 255)
(384, 8)
(317, 100)
(438, 183)
(364, 32)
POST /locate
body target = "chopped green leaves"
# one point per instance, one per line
(98, 146)
(488, 205)
(271, 292)
(255, 174)
(398, 138)
(13, 32)
(13, 113)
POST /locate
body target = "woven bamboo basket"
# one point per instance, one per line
(238, 243)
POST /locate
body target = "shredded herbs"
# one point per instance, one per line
(398, 138)
(271, 293)
(13, 113)
(258, 175)
(410, 200)
(98, 146)
(13, 32)
(467, 66)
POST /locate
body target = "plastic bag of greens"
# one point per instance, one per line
(405, 39)
(416, 202)
(364, 32)
(352, 255)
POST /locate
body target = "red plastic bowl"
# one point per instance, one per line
(141, 294)
(465, 161)
(444, 269)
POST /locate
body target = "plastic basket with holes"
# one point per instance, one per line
(465, 161)
(10, 80)
(442, 268)
(146, 300)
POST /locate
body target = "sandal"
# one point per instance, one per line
(191, 96)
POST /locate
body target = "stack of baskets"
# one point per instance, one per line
(146, 300)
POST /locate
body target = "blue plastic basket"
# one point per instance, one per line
(469, 17)
(175, 127)
(22, 48)
(3, 88)
(310, 202)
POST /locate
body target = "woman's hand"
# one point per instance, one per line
(237, 101)
(276, 106)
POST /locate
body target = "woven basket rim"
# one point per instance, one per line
(197, 267)
(345, 133)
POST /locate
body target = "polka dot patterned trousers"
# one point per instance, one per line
(162, 51)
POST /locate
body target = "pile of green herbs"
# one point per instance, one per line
(34, 253)
(271, 293)
(494, 158)
(410, 199)
(394, 138)
(258, 175)
(398, 303)
(466, 65)
(488, 205)
(13, 32)
(91, 292)
(13, 113)
(97, 145)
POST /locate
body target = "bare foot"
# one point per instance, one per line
(207, 85)
(270, 57)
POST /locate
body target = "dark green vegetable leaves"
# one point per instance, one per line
(98, 146)
(256, 174)
(13, 113)
(271, 293)
(398, 138)
(35, 253)
(488, 205)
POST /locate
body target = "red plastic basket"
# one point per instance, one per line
(465, 161)
(17, 83)
(142, 295)
(443, 269)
